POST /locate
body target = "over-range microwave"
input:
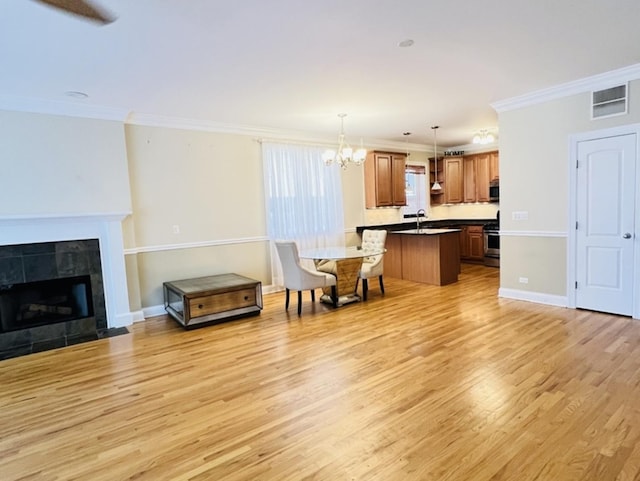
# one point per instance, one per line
(494, 190)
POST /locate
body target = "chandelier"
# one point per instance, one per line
(344, 154)
(483, 137)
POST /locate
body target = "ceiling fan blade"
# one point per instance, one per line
(82, 8)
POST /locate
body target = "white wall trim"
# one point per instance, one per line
(137, 316)
(537, 297)
(587, 84)
(532, 233)
(153, 311)
(64, 217)
(210, 243)
(260, 133)
(63, 108)
(192, 245)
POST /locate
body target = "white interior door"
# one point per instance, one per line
(605, 224)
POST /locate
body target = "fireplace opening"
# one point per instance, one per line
(39, 303)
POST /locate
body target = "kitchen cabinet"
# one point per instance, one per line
(453, 173)
(384, 176)
(494, 165)
(470, 179)
(482, 177)
(437, 196)
(479, 170)
(471, 243)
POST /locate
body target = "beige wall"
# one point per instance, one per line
(207, 184)
(211, 186)
(62, 165)
(534, 177)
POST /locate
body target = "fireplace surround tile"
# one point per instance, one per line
(11, 270)
(54, 260)
(39, 267)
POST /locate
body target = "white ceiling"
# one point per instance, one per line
(294, 65)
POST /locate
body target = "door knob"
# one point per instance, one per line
(626, 235)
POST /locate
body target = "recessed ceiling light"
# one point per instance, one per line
(76, 95)
(406, 43)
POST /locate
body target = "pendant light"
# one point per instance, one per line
(406, 136)
(436, 185)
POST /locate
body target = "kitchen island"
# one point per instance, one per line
(430, 256)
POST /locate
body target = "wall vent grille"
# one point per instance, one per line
(609, 102)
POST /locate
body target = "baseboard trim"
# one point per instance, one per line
(537, 297)
(153, 311)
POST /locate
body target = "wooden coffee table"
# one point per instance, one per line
(203, 300)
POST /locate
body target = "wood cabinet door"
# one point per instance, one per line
(453, 172)
(469, 178)
(398, 184)
(494, 165)
(384, 179)
(476, 243)
(482, 177)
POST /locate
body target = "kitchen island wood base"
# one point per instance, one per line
(427, 258)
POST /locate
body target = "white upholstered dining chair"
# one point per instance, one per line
(372, 266)
(299, 278)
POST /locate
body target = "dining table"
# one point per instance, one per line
(344, 263)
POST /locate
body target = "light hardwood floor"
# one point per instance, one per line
(425, 383)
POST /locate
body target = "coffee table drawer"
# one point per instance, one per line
(226, 301)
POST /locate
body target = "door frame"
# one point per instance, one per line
(574, 139)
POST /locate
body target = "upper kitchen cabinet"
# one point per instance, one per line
(482, 177)
(384, 179)
(494, 165)
(453, 172)
(479, 170)
(470, 178)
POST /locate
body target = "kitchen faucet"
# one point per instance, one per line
(419, 214)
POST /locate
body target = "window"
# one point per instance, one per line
(416, 189)
(303, 199)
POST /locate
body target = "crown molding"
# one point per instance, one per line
(259, 133)
(59, 107)
(587, 84)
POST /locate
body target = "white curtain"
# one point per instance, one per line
(303, 199)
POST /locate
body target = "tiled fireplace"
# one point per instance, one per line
(62, 281)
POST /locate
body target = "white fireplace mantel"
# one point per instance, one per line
(106, 227)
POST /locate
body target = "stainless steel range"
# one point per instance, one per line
(491, 233)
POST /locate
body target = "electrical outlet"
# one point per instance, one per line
(176, 229)
(520, 215)
(523, 280)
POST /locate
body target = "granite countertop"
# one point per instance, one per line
(427, 224)
(425, 231)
